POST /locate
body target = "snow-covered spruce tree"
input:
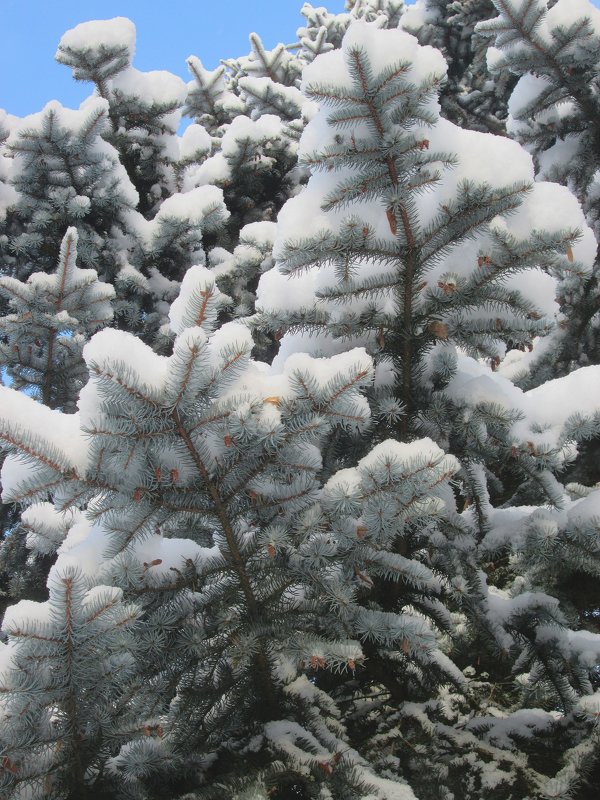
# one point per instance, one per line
(41, 341)
(200, 473)
(265, 80)
(386, 13)
(416, 248)
(555, 50)
(7, 191)
(64, 678)
(529, 714)
(469, 96)
(166, 233)
(52, 316)
(252, 107)
(294, 625)
(255, 166)
(554, 112)
(324, 30)
(8, 516)
(254, 160)
(65, 174)
(210, 100)
(237, 274)
(408, 258)
(59, 169)
(144, 107)
(162, 250)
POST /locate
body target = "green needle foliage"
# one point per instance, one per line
(299, 416)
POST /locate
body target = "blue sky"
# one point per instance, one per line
(167, 32)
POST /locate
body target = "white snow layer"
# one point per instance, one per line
(157, 87)
(18, 616)
(482, 158)
(239, 134)
(73, 120)
(108, 346)
(195, 139)
(118, 32)
(409, 454)
(39, 429)
(198, 295)
(545, 409)
(566, 12)
(385, 47)
(192, 206)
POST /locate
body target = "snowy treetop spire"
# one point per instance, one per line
(98, 49)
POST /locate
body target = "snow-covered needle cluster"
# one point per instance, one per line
(300, 415)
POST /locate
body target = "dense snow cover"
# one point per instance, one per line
(87, 548)
(531, 87)
(238, 144)
(8, 194)
(200, 208)
(46, 527)
(480, 158)
(195, 140)
(198, 289)
(72, 122)
(118, 33)
(511, 527)
(29, 422)
(545, 410)
(210, 488)
(158, 87)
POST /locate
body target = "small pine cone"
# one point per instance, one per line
(391, 217)
(439, 329)
(447, 288)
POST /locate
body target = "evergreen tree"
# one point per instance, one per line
(265, 80)
(7, 192)
(209, 100)
(354, 572)
(324, 31)
(380, 265)
(65, 175)
(422, 259)
(144, 108)
(555, 49)
(65, 670)
(232, 621)
(252, 108)
(469, 97)
(41, 345)
(52, 318)
(255, 166)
